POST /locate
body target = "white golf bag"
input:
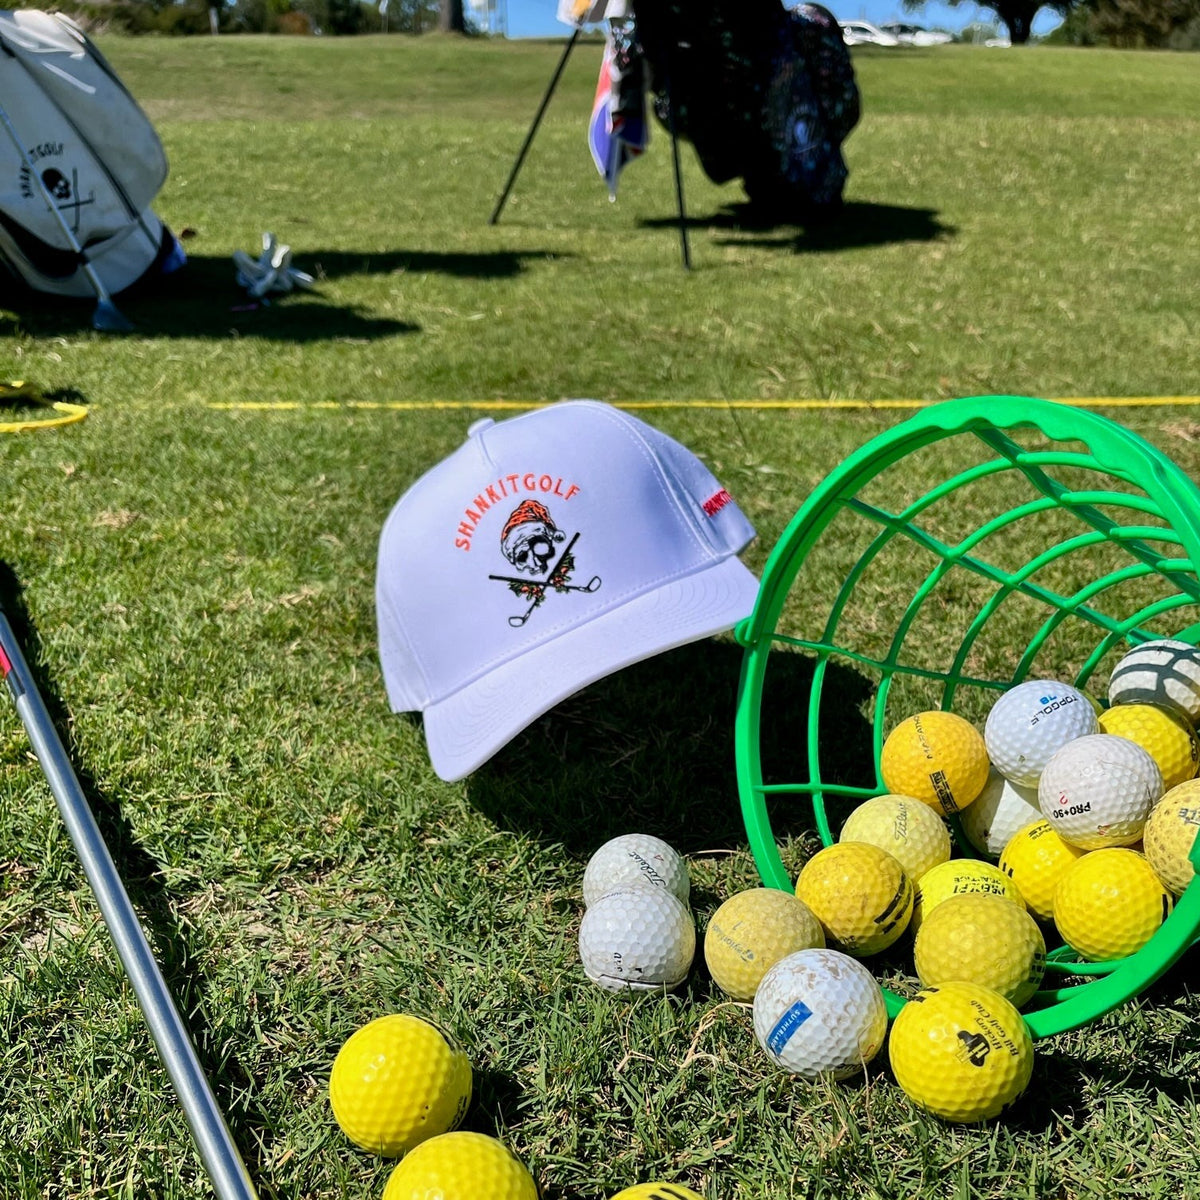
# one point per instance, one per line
(80, 164)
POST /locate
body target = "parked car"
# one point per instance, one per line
(916, 35)
(863, 33)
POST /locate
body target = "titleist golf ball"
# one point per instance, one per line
(1030, 722)
(820, 1013)
(910, 831)
(1165, 671)
(637, 938)
(1098, 790)
(635, 859)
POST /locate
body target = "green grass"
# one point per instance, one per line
(194, 585)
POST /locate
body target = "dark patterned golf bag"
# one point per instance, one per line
(764, 93)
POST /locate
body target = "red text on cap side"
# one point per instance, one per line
(716, 502)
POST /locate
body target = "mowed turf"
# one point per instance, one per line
(193, 584)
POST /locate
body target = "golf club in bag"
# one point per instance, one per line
(230, 1179)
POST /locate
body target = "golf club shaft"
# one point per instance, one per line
(230, 1179)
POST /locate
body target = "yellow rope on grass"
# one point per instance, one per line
(21, 391)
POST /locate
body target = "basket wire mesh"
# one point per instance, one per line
(1052, 541)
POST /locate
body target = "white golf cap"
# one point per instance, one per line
(548, 551)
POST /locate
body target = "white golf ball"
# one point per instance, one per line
(1003, 808)
(1165, 672)
(635, 859)
(638, 938)
(1098, 790)
(1029, 723)
(820, 1013)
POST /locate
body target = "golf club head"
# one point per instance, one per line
(108, 318)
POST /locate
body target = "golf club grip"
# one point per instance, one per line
(230, 1179)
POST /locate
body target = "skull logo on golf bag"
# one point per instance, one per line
(57, 184)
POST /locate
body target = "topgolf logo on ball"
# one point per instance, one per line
(1051, 704)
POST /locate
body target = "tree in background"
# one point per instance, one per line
(451, 17)
(1017, 15)
(1150, 23)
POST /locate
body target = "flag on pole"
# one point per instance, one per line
(618, 132)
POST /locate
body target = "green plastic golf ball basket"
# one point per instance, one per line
(982, 542)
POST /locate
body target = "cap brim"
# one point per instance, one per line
(464, 730)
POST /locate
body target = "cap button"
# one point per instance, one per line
(480, 425)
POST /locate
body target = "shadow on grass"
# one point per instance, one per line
(651, 749)
(857, 224)
(142, 879)
(204, 301)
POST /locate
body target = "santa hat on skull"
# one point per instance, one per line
(527, 510)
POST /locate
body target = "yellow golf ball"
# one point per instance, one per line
(960, 877)
(961, 1052)
(908, 829)
(938, 757)
(658, 1191)
(397, 1081)
(751, 932)
(1035, 859)
(1170, 833)
(460, 1166)
(1110, 904)
(1165, 735)
(860, 894)
(985, 940)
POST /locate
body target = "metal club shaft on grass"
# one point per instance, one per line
(107, 317)
(231, 1180)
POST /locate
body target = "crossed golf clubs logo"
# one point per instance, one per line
(528, 542)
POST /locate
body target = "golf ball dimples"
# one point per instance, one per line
(960, 877)
(908, 829)
(637, 937)
(820, 1013)
(1167, 736)
(982, 939)
(1003, 807)
(1030, 722)
(859, 893)
(1110, 904)
(936, 756)
(751, 932)
(658, 1191)
(1170, 833)
(961, 1052)
(1098, 790)
(397, 1081)
(461, 1166)
(1035, 859)
(1165, 671)
(635, 858)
